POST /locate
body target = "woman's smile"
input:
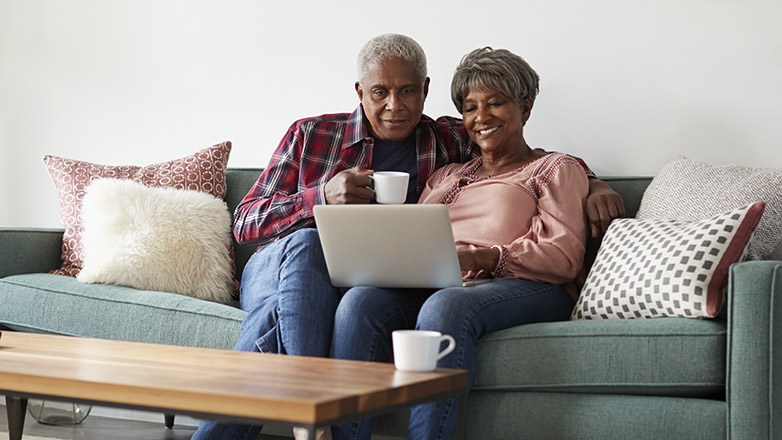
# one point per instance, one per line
(486, 132)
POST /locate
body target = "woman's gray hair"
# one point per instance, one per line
(497, 70)
(391, 45)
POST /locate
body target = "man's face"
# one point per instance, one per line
(393, 98)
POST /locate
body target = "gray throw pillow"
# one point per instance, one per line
(777, 254)
(686, 190)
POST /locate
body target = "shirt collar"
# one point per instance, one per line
(356, 130)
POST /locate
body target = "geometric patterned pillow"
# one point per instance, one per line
(203, 171)
(660, 268)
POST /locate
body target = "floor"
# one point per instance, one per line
(99, 427)
(104, 428)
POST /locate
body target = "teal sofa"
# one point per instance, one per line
(622, 379)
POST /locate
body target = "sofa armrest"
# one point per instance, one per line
(29, 250)
(754, 357)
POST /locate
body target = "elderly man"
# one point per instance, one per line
(328, 160)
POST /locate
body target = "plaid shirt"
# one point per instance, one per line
(314, 150)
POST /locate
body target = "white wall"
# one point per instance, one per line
(625, 84)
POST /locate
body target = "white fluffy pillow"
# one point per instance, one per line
(160, 239)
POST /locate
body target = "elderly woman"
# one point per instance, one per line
(518, 218)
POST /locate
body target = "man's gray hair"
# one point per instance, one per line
(391, 45)
(493, 70)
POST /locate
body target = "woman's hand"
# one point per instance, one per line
(603, 204)
(478, 259)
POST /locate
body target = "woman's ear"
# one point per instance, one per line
(526, 110)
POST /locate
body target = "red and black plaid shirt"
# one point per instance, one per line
(314, 150)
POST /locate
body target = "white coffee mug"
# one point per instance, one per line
(390, 186)
(419, 350)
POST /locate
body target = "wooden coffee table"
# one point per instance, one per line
(221, 385)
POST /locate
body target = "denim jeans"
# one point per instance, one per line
(291, 302)
(366, 316)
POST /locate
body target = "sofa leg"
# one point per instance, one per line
(169, 421)
(16, 409)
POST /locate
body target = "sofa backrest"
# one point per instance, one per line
(240, 180)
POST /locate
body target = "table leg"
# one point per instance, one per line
(16, 409)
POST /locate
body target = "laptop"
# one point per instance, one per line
(404, 246)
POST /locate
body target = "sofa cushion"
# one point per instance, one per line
(568, 416)
(164, 239)
(201, 171)
(663, 357)
(686, 190)
(47, 303)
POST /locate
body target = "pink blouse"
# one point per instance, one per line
(534, 215)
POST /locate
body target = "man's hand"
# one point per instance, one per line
(349, 187)
(603, 204)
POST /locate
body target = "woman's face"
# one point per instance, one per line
(494, 121)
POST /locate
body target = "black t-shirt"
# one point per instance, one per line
(398, 156)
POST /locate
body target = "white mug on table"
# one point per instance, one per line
(419, 350)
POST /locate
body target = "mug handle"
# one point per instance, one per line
(449, 348)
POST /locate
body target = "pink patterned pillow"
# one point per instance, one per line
(203, 171)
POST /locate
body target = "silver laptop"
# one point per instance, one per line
(388, 245)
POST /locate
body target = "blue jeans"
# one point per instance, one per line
(291, 302)
(366, 316)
